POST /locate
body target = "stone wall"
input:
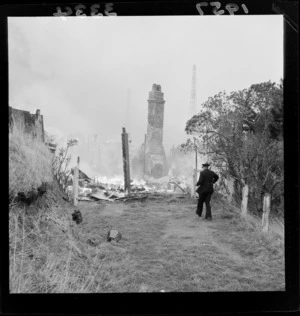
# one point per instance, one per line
(31, 124)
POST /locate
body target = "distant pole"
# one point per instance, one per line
(195, 174)
(193, 98)
(128, 110)
(196, 155)
(126, 166)
(75, 183)
(99, 157)
(145, 154)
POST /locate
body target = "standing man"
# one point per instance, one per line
(206, 180)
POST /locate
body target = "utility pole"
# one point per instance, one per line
(145, 154)
(128, 113)
(126, 166)
(193, 99)
(99, 155)
(195, 174)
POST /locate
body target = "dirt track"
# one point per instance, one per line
(165, 246)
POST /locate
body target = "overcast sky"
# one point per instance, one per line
(78, 71)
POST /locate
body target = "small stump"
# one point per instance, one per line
(113, 235)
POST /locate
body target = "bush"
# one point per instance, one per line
(29, 163)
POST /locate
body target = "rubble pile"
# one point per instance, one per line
(113, 189)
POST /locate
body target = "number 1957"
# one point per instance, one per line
(230, 7)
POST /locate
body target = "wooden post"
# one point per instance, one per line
(245, 193)
(126, 166)
(266, 212)
(75, 183)
(230, 186)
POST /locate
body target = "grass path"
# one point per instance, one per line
(165, 246)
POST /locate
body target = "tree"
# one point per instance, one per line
(242, 134)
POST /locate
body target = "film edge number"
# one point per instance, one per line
(230, 7)
(94, 9)
(79, 11)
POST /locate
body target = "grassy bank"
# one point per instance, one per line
(29, 163)
(43, 248)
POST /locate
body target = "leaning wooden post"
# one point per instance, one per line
(75, 183)
(126, 167)
(266, 212)
(245, 193)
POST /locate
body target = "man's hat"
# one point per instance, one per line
(205, 164)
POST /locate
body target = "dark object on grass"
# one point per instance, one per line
(77, 217)
(92, 242)
(31, 196)
(113, 235)
(27, 198)
(43, 188)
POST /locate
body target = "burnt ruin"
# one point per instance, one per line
(30, 124)
(155, 162)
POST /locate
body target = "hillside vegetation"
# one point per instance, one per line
(29, 163)
(40, 230)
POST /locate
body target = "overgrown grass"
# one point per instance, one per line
(29, 163)
(262, 252)
(165, 247)
(45, 254)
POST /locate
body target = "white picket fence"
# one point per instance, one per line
(244, 203)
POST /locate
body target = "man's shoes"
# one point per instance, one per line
(198, 214)
(208, 218)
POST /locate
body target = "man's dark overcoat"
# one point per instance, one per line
(206, 180)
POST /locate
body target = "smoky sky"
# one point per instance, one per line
(93, 75)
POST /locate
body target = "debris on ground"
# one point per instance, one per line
(113, 235)
(100, 195)
(77, 217)
(92, 242)
(85, 198)
(84, 191)
(133, 197)
(113, 189)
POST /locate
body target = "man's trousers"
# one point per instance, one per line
(204, 197)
